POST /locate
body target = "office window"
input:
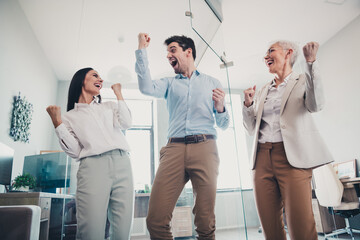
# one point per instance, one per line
(140, 142)
(233, 152)
(140, 136)
(234, 170)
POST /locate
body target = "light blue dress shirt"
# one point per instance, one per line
(189, 101)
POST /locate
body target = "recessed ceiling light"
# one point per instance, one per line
(121, 39)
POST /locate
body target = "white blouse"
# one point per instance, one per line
(270, 122)
(95, 128)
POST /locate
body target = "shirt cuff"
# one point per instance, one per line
(311, 67)
(61, 130)
(140, 53)
(223, 114)
(141, 61)
(248, 110)
(223, 111)
(64, 135)
(122, 105)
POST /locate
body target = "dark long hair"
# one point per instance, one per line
(75, 88)
(184, 42)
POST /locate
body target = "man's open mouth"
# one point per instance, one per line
(173, 62)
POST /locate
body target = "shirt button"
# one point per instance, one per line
(283, 126)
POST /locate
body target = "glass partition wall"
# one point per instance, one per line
(205, 19)
(205, 29)
(55, 174)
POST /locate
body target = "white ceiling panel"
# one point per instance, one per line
(103, 34)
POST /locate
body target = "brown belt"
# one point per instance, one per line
(191, 139)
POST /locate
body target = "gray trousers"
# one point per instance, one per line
(105, 188)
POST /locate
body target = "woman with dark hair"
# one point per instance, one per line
(91, 132)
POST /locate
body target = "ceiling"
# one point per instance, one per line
(103, 34)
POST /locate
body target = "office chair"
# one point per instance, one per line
(330, 193)
(20, 222)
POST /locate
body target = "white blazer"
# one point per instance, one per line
(303, 144)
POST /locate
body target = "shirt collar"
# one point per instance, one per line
(84, 105)
(180, 76)
(273, 83)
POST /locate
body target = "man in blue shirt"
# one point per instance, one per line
(195, 101)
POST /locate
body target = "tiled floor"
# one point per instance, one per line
(252, 234)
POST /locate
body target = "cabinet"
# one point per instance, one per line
(141, 205)
(325, 222)
(181, 223)
(42, 199)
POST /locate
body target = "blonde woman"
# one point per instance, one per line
(287, 144)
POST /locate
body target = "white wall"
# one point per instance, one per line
(23, 68)
(61, 101)
(339, 122)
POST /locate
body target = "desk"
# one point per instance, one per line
(324, 221)
(42, 199)
(352, 193)
(350, 189)
(350, 180)
(141, 205)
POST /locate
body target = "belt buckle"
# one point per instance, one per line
(191, 139)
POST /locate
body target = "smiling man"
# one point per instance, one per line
(195, 101)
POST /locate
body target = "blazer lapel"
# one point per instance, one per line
(261, 102)
(289, 87)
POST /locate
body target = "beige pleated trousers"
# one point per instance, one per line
(105, 188)
(278, 185)
(179, 163)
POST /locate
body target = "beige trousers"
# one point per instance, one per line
(180, 162)
(104, 187)
(278, 185)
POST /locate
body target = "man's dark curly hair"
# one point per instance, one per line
(184, 42)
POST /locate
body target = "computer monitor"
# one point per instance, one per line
(6, 162)
(51, 170)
